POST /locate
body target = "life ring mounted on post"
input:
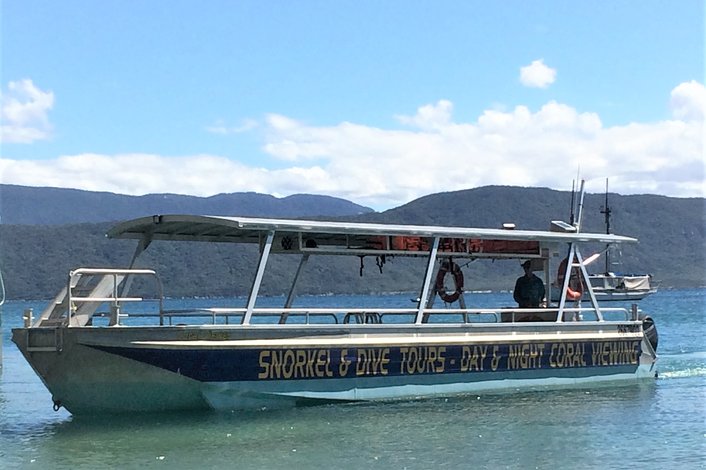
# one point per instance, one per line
(449, 267)
(574, 290)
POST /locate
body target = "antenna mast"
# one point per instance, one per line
(606, 212)
(579, 217)
(571, 209)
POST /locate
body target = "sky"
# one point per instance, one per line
(377, 102)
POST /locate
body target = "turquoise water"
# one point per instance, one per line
(655, 424)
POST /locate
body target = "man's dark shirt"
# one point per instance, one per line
(529, 291)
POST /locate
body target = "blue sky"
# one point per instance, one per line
(379, 102)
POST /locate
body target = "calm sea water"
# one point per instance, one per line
(653, 425)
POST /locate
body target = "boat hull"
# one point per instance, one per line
(114, 370)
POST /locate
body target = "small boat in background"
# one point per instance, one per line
(621, 287)
(611, 286)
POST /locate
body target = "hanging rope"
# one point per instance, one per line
(2, 289)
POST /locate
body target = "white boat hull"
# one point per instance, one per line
(95, 354)
(148, 370)
(614, 288)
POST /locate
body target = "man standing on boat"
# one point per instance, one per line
(529, 289)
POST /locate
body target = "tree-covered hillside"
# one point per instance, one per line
(54, 206)
(671, 231)
(35, 259)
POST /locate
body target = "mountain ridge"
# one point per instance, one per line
(25, 205)
(672, 234)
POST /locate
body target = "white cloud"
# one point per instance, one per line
(537, 74)
(387, 167)
(688, 101)
(219, 127)
(24, 112)
(431, 116)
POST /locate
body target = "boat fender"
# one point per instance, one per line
(57, 405)
(575, 289)
(650, 330)
(452, 268)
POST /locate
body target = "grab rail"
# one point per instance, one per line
(105, 292)
(373, 316)
(77, 306)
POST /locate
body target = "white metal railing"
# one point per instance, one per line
(107, 292)
(372, 316)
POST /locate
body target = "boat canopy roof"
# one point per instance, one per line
(251, 230)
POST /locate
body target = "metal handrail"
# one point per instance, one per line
(220, 312)
(115, 299)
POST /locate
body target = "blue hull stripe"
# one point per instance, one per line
(267, 364)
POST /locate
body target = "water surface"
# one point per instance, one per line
(649, 425)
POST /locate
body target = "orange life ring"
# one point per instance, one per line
(453, 268)
(574, 291)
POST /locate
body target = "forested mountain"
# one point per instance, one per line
(35, 259)
(52, 206)
(671, 231)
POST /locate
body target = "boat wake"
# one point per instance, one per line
(679, 366)
(684, 373)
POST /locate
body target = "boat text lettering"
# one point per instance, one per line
(567, 355)
(525, 356)
(295, 364)
(372, 361)
(610, 353)
(422, 360)
(322, 363)
(473, 358)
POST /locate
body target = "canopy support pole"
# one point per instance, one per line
(290, 295)
(258, 277)
(589, 287)
(427, 281)
(141, 246)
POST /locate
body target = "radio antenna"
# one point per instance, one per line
(571, 209)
